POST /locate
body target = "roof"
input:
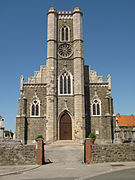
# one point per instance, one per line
(126, 120)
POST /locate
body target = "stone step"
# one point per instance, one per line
(66, 143)
(64, 152)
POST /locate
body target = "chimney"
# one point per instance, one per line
(118, 115)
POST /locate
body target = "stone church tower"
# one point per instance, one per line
(65, 100)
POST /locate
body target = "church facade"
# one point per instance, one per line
(65, 100)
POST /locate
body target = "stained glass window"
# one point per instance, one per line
(96, 108)
(65, 83)
(35, 108)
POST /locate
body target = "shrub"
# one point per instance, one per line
(39, 136)
(92, 136)
(6, 133)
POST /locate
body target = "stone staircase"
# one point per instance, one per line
(64, 151)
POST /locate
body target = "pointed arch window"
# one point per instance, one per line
(65, 33)
(96, 107)
(35, 108)
(65, 83)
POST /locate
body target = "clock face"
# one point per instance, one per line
(65, 50)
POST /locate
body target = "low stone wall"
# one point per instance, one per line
(112, 153)
(18, 154)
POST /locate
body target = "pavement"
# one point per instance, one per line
(9, 170)
(116, 175)
(65, 171)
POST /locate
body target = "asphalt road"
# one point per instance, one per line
(127, 174)
(101, 171)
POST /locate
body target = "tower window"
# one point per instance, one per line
(61, 85)
(65, 83)
(65, 33)
(69, 85)
(96, 108)
(35, 108)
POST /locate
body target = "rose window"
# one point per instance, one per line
(65, 50)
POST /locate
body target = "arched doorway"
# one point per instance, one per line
(65, 127)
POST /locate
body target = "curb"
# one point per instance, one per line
(19, 171)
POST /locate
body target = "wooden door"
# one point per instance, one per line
(65, 127)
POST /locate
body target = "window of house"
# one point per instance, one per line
(96, 108)
(35, 108)
(65, 83)
(65, 33)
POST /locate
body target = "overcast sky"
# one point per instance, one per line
(109, 47)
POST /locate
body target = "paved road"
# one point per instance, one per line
(128, 174)
(57, 171)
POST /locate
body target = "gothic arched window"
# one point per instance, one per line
(65, 83)
(65, 33)
(96, 107)
(35, 108)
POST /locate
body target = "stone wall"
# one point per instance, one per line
(126, 133)
(112, 153)
(28, 126)
(101, 125)
(18, 155)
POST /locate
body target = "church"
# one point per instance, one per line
(65, 99)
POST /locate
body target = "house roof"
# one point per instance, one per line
(126, 120)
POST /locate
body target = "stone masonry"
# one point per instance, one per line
(18, 155)
(112, 153)
(65, 99)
